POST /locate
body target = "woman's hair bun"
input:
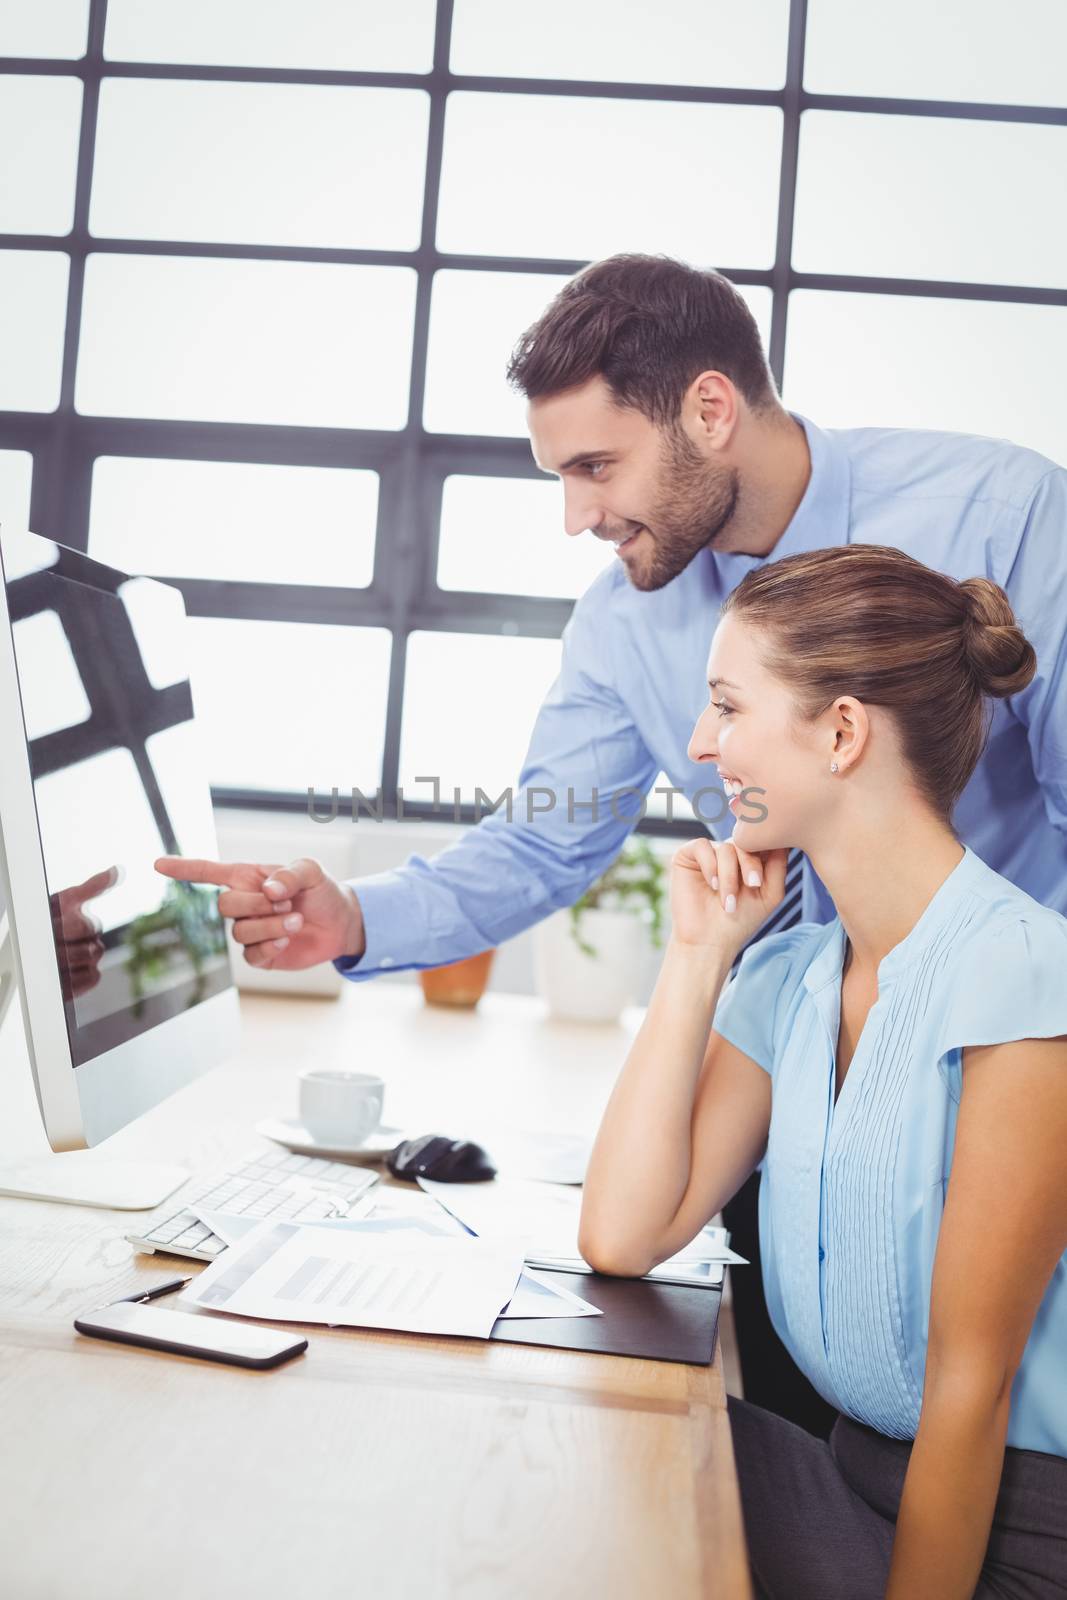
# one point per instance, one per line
(998, 652)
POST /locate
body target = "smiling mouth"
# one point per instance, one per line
(624, 544)
(733, 786)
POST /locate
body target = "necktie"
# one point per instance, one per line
(787, 915)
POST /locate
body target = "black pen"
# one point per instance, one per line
(169, 1287)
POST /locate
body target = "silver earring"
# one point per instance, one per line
(833, 766)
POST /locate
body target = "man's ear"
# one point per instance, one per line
(711, 407)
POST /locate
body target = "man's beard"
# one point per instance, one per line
(696, 504)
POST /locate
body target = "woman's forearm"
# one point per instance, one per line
(950, 1494)
(640, 1165)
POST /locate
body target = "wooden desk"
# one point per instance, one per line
(382, 1464)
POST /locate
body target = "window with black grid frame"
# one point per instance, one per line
(261, 269)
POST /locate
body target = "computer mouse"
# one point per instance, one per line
(444, 1160)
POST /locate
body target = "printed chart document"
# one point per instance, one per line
(370, 1277)
(533, 1297)
(543, 1218)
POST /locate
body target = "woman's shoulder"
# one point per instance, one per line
(1006, 976)
(1006, 923)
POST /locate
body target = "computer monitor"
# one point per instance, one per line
(124, 975)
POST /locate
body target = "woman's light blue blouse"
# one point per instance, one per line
(852, 1194)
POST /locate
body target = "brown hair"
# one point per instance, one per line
(648, 326)
(875, 623)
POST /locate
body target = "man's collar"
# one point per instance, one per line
(821, 519)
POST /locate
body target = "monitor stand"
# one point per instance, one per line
(79, 1177)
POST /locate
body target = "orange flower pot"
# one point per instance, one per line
(459, 983)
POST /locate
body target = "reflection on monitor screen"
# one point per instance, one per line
(117, 781)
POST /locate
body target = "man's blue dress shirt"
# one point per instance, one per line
(632, 685)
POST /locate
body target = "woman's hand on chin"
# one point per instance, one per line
(721, 894)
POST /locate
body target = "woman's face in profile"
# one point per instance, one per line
(753, 734)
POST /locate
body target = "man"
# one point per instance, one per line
(650, 397)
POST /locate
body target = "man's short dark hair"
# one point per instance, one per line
(648, 325)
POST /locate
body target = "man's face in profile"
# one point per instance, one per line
(648, 490)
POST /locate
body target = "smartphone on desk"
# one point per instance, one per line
(185, 1334)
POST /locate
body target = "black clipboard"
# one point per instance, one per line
(653, 1321)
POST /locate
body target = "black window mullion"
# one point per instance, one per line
(283, 602)
(267, 443)
(515, 615)
(60, 496)
(576, 88)
(957, 110)
(787, 187)
(405, 542)
(931, 288)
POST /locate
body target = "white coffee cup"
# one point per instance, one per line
(339, 1107)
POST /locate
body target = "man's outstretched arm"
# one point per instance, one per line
(578, 796)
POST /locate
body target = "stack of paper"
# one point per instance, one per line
(367, 1277)
(549, 1157)
(450, 1260)
(418, 1273)
(534, 1297)
(543, 1219)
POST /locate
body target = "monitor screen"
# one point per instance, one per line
(118, 780)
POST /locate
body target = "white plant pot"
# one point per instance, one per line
(583, 988)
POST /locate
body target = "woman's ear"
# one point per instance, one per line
(850, 729)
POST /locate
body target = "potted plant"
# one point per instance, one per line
(592, 957)
(457, 983)
(185, 931)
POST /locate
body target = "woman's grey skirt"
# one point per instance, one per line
(820, 1516)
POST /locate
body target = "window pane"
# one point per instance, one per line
(93, 814)
(53, 695)
(926, 197)
(246, 341)
(476, 319)
(177, 758)
(290, 705)
(56, 31)
(22, 551)
(39, 120)
(33, 309)
(505, 536)
(623, 41)
(968, 366)
(469, 705)
(234, 521)
(541, 175)
(16, 478)
(339, 35)
(234, 161)
(981, 51)
(162, 647)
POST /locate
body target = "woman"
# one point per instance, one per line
(902, 1074)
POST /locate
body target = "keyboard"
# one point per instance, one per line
(267, 1183)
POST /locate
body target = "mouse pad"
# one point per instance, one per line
(656, 1321)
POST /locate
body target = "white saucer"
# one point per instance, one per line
(291, 1132)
